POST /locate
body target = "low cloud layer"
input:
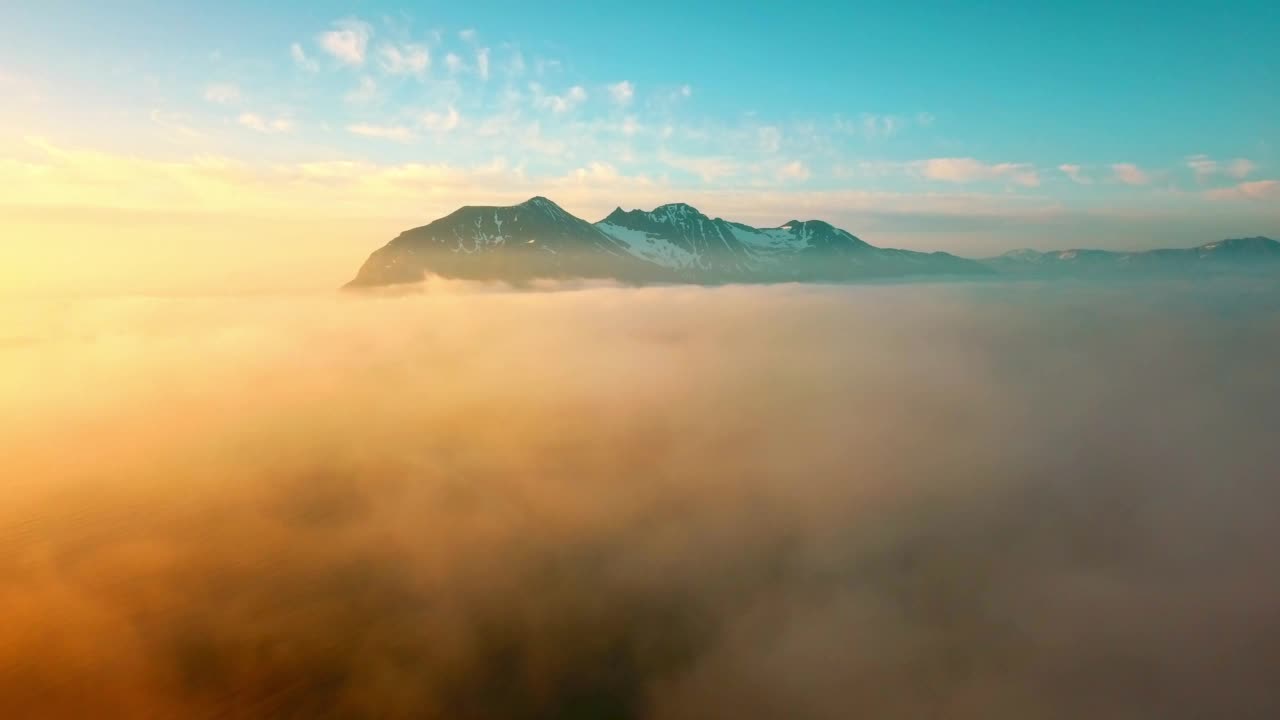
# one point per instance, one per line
(897, 501)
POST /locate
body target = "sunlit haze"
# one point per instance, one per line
(639, 360)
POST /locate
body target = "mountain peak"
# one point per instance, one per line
(814, 224)
(668, 214)
(676, 213)
(539, 202)
(678, 208)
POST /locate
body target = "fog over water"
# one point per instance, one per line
(943, 501)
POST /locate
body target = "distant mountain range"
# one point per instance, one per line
(676, 243)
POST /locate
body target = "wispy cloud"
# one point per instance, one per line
(1203, 166)
(1130, 174)
(1076, 173)
(364, 92)
(709, 168)
(347, 42)
(482, 63)
(442, 122)
(880, 126)
(454, 63)
(61, 177)
(254, 121)
(595, 173)
(395, 133)
(404, 59)
(222, 93)
(1255, 190)
(572, 98)
(1206, 167)
(1241, 168)
(967, 170)
(301, 59)
(467, 35)
(515, 66)
(622, 92)
(769, 139)
(794, 170)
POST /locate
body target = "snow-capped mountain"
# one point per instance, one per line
(534, 239)
(672, 243)
(1232, 254)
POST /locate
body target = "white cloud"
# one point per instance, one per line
(468, 35)
(516, 66)
(544, 66)
(966, 170)
(404, 60)
(572, 97)
(395, 133)
(794, 170)
(532, 138)
(254, 121)
(1241, 168)
(676, 94)
(1076, 173)
(622, 92)
(880, 126)
(1130, 174)
(365, 92)
(442, 122)
(222, 93)
(301, 60)
(454, 63)
(630, 126)
(1206, 167)
(769, 138)
(709, 168)
(1203, 166)
(59, 176)
(482, 63)
(873, 126)
(347, 42)
(1255, 190)
(595, 173)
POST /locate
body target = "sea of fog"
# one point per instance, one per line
(903, 501)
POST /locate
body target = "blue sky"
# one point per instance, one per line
(917, 124)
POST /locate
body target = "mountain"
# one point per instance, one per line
(1223, 255)
(535, 239)
(677, 243)
(671, 243)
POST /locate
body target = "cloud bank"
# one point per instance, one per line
(657, 503)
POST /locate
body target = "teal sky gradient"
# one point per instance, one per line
(974, 129)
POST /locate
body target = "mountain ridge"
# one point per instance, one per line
(675, 242)
(1227, 253)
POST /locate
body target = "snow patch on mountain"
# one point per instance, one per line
(653, 248)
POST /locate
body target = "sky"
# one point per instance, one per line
(186, 145)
